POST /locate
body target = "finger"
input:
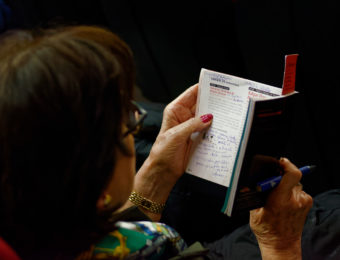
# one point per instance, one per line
(255, 214)
(193, 110)
(183, 131)
(188, 98)
(298, 186)
(303, 200)
(307, 199)
(181, 109)
(291, 178)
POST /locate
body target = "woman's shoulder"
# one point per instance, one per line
(135, 239)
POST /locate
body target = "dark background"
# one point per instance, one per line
(173, 40)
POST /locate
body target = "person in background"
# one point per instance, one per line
(67, 162)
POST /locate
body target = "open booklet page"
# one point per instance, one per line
(213, 153)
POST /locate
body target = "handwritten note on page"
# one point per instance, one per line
(213, 153)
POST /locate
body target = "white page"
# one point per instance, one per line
(213, 153)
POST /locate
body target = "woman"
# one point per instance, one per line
(67, 152)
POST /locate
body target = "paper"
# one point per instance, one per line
(213, 153)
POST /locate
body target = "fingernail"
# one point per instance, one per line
(206, 118)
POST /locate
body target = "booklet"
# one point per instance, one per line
(250, 127)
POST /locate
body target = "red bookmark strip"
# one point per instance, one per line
(290, 73)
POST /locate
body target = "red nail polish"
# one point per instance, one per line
(206, 118)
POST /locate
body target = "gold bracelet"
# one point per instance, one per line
(145, 203)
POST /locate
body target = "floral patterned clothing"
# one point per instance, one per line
(137, 240)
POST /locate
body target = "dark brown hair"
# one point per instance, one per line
(63, 96)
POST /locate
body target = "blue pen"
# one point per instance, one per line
(272, 182)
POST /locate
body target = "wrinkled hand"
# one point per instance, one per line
(278, 226)
(169, 154)
(171, 148)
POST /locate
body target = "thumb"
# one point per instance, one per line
(291, 177)
(196, 124)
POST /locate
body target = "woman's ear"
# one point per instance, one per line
(104, 201)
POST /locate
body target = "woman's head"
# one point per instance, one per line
(64, 97)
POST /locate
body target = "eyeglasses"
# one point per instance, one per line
(136, 117)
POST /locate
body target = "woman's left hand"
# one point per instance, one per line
(169, 154)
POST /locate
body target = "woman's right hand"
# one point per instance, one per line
(278, 226)
(169, 154)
